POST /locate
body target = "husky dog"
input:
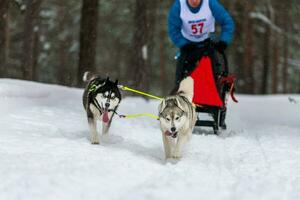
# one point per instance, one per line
(177, 117)
(101, 99)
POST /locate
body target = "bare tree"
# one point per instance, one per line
(266, 54)
(65, 39)
(88, 37)
(248, 48)
(140, 57)
(286, 52)
(30, 34)
(237, 52)
(162, 61)
(3, 35)
(152, 13)
(275, 64)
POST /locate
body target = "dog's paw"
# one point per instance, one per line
(95, 142)
(177, 156)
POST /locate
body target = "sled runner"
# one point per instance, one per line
(211, 86)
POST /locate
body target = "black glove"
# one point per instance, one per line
(220, 46)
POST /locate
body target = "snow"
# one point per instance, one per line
(45, 152)
(266, 20)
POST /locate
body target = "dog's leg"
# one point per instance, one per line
(93, 129)
(182, 139)
(167, 146)
(105, 128)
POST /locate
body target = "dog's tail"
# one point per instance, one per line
(186, 88)
(87, 76)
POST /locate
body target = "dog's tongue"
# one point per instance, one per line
(168, 133)
(173, 135)
(105, 117)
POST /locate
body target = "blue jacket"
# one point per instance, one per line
(220, 14)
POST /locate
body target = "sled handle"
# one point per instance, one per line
(226, 70)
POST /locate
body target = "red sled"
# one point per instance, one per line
(211, 86)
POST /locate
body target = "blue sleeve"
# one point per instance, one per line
(224, 19)
(174, 25)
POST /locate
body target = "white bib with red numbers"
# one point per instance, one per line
(196, 27)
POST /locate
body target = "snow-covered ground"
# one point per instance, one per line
(45, 152)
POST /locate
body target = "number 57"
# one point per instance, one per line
(197, 28)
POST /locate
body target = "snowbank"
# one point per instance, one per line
(45, 152)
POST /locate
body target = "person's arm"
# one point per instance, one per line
(224, 19)
(174, 25)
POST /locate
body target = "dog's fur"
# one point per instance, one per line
(177, 119)
(101, 99)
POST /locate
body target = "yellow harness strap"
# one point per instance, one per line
(145, 94)
(139, 92)
(141, 115)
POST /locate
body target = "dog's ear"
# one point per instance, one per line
(162, 106)
(178, 104)
(117, 82)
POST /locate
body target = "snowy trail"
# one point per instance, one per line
(45, 152)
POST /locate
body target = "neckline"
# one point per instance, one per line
(196, 9)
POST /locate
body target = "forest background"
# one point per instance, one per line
(55, 41)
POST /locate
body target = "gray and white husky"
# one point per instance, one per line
(177, 117)
(101, 99)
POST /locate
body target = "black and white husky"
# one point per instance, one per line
(101, 99)
(177, 117)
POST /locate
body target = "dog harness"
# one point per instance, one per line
(103, 111)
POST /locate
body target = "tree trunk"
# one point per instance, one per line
(285, 48)
(285, 64)
(162, 62)
(239, 53)
(63, 70)
(152, 16)
(30, 48)
(248, 50)
(266, 63)
(266, 57)
(140, 57)
(3, 36)
(88, 38)
(275, 65)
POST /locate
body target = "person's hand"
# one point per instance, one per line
(220, 46)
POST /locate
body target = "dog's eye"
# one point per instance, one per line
(177, 118)
(168, 119)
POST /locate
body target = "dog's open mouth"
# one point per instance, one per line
(172, 134)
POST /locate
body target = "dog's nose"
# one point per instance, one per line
(107, 105)
(173, 129)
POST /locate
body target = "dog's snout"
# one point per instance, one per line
(173, 129)
(107, 105)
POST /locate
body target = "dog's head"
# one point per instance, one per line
(172, 116)
(106, 93)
